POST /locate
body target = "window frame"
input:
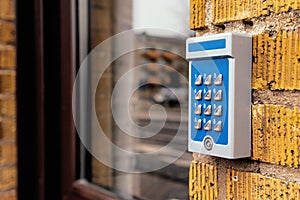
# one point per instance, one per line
(37, 27)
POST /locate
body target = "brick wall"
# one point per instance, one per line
(8, 158)
(101, 29)
(273, 171)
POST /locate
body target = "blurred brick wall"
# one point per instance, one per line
(101, 29)
(8, 158)
(272, 172)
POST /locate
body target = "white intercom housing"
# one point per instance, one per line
(220, 94)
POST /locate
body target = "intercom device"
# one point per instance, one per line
(220, 94)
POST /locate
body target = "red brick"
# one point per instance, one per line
(7, 83)
(8, 195)
(7, 32)
(8, 177)
(7, 57)
(8, 154)
(8, 106)
(7, 9)
(7, 130)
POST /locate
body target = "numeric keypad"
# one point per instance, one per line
(206, 106)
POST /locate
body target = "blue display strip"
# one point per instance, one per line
(208, 45)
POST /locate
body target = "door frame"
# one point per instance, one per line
(47, 34)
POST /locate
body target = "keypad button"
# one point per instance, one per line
(198, 125)
(207, 111)
(218, 111)
(198, 96)
(198, 110)
(218, 80)
(218, 126)
(198, 80)
(208, 80)
(207, 96)
(207, 126)
(218, 96)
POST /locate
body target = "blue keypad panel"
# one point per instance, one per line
(209, 100)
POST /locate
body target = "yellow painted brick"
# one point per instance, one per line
(7, 83)
(8, 106)
(277, 6)
(197, 14)
(221, 11)
(241, 8)
(216, 12)
(246, 9)
(7, 32)
(296, 5)
(203, 181)
(264, 51)
(7, 9)
(257, 135)
(7, 130)
(217, 4)
(239, 184)
(249, 181)
(8, 195)
(289, 140)
(294, 58)
(270, 59)
(225, 10)
(233, 11)
(230, 191)
(254, 10)
(289, 61)
(260, 66)
(8, 154)
(248, 186)
(272, 143)
(254, 60)
(7, 57)
(250, 8)
(276, 134)
(283, 61)
(8, 177)
(298, 56)
(265, 8)
(276, 61)
(285, 5)
(213, 14)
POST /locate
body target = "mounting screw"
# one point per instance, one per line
(235, 178)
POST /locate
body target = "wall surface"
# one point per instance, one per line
(101, 29)
(272, 172)
(8, 171)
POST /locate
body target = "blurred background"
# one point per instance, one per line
(160, 77)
